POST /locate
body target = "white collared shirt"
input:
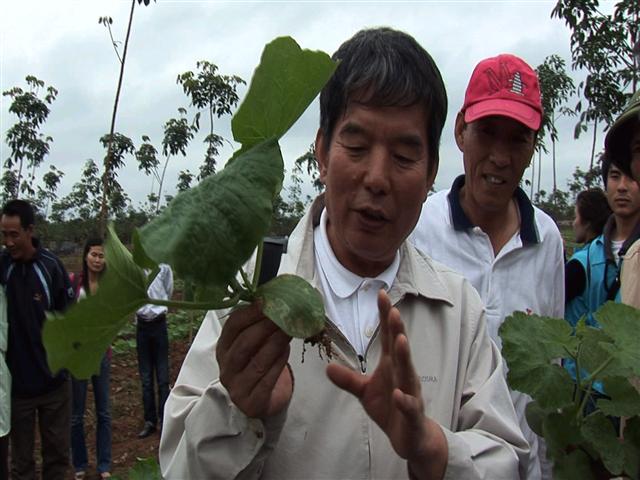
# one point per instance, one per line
(161, 288)
(351, 301)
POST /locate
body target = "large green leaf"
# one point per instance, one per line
(631, 447)
(574, 466)
(561, 433)
(283, 85)
(624, 399)
(208, 232)
(529, 344)
(601, 434)
(620, 322)
(78, 339)
(593, 352)
(293, 304)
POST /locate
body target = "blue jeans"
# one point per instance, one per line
(152, 341)
(103, 415)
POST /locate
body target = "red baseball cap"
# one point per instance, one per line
(504, 85)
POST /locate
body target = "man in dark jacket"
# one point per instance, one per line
(36, 282)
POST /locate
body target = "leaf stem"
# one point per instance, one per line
(258, 266)
(197, 305)
(245, 278)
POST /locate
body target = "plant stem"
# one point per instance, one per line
(258, 266)
(197, 305)
(248, 284)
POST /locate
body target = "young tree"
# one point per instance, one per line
(28, 145)
(606, 46)
(109, 163)
(555, 87)
(217, 94)
(177, 135)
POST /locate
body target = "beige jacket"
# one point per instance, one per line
(630, 276)
(325, 433)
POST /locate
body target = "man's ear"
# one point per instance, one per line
(322, 155)
(459, 130)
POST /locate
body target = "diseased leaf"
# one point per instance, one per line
(78, 339)
(208, 232)
(293, 304)
(529, 344)
(601, 434)
(283, 85)
(620, 322)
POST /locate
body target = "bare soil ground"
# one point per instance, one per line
(126, 411)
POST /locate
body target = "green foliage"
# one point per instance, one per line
(209, 231)
(28, 145)
(78, 339)
(579, 443)
(605, 46)
(218, 95)
(144, 469)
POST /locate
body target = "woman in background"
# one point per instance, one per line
(93, 267)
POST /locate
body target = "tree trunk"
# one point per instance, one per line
(539, 169)
(593, 143)
(102, 224)
(166, 162)
(533, 176)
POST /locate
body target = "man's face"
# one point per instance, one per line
(635, 152)
(496, 152)
(16, 238)
(623, 194)
(375, 173)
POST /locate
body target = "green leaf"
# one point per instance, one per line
(574, 466)
(620, 322)
(293, 304)
(529, 344)
(283, 85)
(535, 417)
(601, 434)
(625, 400)
(593, 352)
(561, 433)
(78, 339)
(631, 447)
(140, 257)
(208, 232)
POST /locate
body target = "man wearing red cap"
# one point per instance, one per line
(485, 227)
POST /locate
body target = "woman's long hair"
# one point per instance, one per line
(91, 242)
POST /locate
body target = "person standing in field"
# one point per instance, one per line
(35, 282)
(5, 390)
(623, 143)
(591, 214)
(485, 226)
(152, 345)
(93, 267)
(415, 387)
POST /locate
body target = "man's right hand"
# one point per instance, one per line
(252, 354)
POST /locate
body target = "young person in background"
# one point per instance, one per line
(93, 267)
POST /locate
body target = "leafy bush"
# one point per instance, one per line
(582, 444)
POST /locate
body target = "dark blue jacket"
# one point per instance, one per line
(33, 288)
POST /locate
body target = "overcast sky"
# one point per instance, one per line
(62, 43)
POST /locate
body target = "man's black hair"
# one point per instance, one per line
(383, 67)
(22, 209)
(594, 210)
(606, 160)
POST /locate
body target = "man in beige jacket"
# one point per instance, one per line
(415, 386)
